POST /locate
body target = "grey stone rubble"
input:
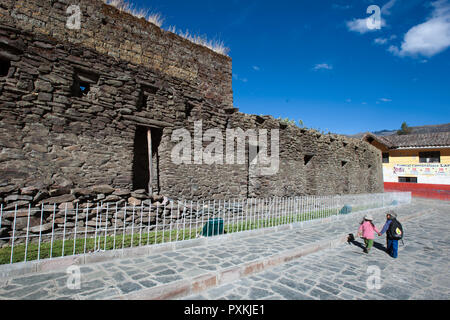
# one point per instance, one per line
(334, 273)
(62, 205)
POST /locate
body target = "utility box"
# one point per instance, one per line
(213, 227)
(346, 209)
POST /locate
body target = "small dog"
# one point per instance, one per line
(350, 238)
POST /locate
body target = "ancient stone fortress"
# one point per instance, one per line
(81, 110)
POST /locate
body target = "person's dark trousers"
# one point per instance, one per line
(392, 248)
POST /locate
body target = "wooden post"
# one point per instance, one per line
(150, 161)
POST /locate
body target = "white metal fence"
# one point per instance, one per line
(52, 231)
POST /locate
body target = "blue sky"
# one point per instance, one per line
(319, 62)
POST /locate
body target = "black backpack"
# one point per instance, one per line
(395, 231)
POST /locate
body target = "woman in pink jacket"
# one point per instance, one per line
(367, 230)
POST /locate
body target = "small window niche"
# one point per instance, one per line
(146, 97)
(5, 64)
(385, 157)
(83, 82)
(307, 158)
(189, 106)
(343, 163)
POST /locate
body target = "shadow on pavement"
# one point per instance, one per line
(377, 245)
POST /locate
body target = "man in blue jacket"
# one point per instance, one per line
(392, 244)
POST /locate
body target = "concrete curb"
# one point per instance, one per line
(196, 285)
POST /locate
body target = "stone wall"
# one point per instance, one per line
(312, 163)
(57, 141)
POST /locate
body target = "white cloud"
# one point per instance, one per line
(385, 100)
(236, 77)
(381, 41)
(256, 68)
(360, 25)
(322, 66)
(385, 10)
(428, 38)
(394, 50)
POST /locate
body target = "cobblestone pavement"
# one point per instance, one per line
(337, 273)
(421, 270)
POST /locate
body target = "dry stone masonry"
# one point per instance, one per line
(80, 110)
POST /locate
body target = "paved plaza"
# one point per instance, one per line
(342, 272)
(420, 272)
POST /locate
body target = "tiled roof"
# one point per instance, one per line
(435, 139)
(369, 137)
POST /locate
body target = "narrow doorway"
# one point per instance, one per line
(146, 173)
(252, 152)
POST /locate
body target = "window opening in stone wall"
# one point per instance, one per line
(343, 163)
(4, 67)
(146, 95)
(84, 88)
(308, 158)
(228, 124)
(188, 109)
(143, 100)
(82, 82)
(260, 120)
(385, 157)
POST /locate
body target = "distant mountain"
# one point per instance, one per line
(414, 130)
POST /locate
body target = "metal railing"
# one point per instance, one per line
(51, 231)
